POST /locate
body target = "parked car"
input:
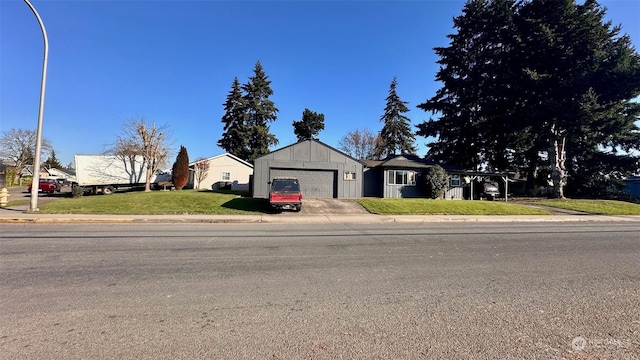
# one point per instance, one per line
(285, 194)
(489, 191)
(482, 190)
(48, 186)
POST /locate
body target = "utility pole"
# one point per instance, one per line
(36, 161)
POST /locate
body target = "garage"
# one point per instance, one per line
(313, 183)
(323, 171)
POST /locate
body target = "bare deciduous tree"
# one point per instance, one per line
(147, 140)
(17, 148)
(201, 168)
(557, 159)
(360, 144)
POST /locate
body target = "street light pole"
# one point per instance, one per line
(35, 185)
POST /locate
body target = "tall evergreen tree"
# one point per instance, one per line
(536, 77)
(501, 132)
(396, 130)
(52, 161)
(310, 125)
(473, 71)
(260, 111)
(581, 76)
(180, 173)
(235, 138)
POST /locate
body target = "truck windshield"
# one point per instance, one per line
(285, 185)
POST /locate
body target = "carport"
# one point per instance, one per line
(470, 176)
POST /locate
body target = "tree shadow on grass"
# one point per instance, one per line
(248, 204)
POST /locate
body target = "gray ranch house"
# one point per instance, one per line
(323, 171)
(398, 176)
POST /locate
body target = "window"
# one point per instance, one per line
(402, 177)
(455, 180)
(348, 175)
(285, 185)
(226, 176)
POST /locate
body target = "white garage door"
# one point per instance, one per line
(313, 183)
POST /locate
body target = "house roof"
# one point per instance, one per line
(407, 161)
(372, 163)
(321, 143)
(415, 162)
(27, 170)
(223, 155)
(57, 172)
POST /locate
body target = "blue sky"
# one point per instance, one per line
(173, 62)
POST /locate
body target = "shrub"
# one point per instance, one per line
(77, 191)
(435, 181)
(181, 169)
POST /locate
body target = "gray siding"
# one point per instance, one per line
(414, 191)
(400, 191)
(305, 156)
(454, 193)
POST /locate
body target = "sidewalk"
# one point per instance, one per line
(19, 215)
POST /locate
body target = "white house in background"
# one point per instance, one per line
(49, 173)
(225, 169)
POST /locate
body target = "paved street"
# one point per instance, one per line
(324, 291)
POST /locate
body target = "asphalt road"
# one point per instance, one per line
(260, 291)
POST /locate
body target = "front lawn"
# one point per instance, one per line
(158, 203)
(213, 203)
(446, 207)
(598, 207)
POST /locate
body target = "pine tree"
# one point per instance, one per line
(581, 76)
(180, 173)
(310, 125)
(235, 138)
(549, 77)
(474, 101)
(52, 161)
(260, 111)
(396, 130)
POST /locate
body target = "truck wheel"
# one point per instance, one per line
(108, 190)
(298, 208)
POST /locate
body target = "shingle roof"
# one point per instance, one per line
(319, 142)
(406, 161)
(222, 155)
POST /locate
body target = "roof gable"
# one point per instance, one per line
(213, 158)
(304, 143)
(407, 161)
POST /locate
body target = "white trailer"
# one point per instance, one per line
(107, 173)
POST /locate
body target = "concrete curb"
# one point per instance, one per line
(9, 216)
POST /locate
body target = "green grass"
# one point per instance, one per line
(214, 203)
(445, 207)
(157, 203)
(20, 202)
(598, 207)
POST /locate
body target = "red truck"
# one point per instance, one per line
(285, 194)
(48, 186)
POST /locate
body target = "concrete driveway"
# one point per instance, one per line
(19, 192)
(331, 206)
